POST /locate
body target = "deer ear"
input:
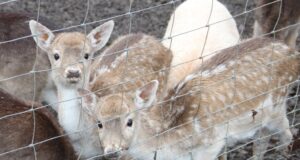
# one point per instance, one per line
(100, 35)
(146, 95)
(42, 36)
(88, 99)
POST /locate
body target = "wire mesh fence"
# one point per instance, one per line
(149, 17)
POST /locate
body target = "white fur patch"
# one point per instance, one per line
(265, 79)
(186, 79)
(197, 125)
(248, 58)
(71, 119)
(231, 63)
(103, 69)
(69, 110)
(258, 83)
(219, 69)
(117, 61)
(205, 73)
(222, 98)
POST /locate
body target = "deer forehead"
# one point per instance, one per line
(114, 106)
(71, 40)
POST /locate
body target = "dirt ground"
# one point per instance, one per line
(148, 16)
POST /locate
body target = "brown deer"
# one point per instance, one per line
(131, 61)
(16, 132)
(19, 57)
(233, 95)
(70, 55)
(278, 15)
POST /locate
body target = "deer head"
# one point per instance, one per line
(117, 116)
(70, 53)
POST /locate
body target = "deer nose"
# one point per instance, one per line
(73, 74)
(111, 153)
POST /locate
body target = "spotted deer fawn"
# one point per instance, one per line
(70, 55)
(229, 98)
(17, 131)
(20, 57)
(191, 18)
(131, 61)
(276, 16)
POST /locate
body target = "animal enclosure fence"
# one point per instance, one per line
(132, 12)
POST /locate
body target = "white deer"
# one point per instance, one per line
(189, 38)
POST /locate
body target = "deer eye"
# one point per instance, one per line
(129, 122)
(56, 56)
(99, 124)
(86, 56)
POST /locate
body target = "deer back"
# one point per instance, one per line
(239, 81)
(19, 56)
(145, 60)
(17, 131)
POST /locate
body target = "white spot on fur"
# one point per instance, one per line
(204, 96)
(213, 98)
(205, 73)
(197, 125)
(244, 78)
(258, 83)
(219, 69)
(194, 106)
(231, 63)
(103, 69)
(222, 98)
(265, 79)
(290, 78)
(248, 58)
(240, 95)
(117, 61)
(186, 79)
(230, 94)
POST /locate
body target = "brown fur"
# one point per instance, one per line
(147, 59)
(266, 17)
(16, 132)
(210, 105)
(113, 52)
(146, 55)
(237, 51)
(207, 99)
(18, 57)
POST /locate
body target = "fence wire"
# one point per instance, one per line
(227, 149)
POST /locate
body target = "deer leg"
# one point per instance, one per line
(286, 137)
(261, 144)
(257, 31)
(282, 127)
(291, 37)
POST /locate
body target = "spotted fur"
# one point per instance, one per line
(197, 116)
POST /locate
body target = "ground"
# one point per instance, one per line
(147, 16)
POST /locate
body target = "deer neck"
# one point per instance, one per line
(68, 109)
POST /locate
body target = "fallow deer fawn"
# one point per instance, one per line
(232, 96)
(145, 59)
(70, 55)
(272, 17)
(190, 39)
(17, 131)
